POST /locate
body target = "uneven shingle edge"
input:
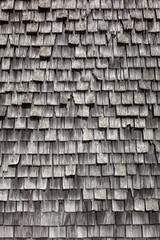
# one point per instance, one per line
(79, 119)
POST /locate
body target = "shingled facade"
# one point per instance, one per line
(80, 119)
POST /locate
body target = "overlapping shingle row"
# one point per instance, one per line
(79, 119)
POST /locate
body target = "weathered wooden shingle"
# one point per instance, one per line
(79, 119)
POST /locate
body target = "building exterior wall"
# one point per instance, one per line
(80, 119)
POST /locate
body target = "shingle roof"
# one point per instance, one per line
(79, 119)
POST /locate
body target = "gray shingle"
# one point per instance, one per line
(44, 4)
(133, 232)
(151, 231)
(56, 27)
(70, 4)
(106, 231)
(93, 231)
(118, 206)
(100, 193)
(74, 39)
(127, 111)
(105, 218)
(49, 219)
(140, 218)
(40, 232)
(106, 4)
(24, 232)
(120, 170)
(81, 26)
(87, 194)
(152, 205)
(57, 232)
(3, 195)
(139, 205)
(45, 51)
(6, 232)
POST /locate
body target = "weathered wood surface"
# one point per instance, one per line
(79, 119)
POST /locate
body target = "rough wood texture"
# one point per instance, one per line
(79, 119)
